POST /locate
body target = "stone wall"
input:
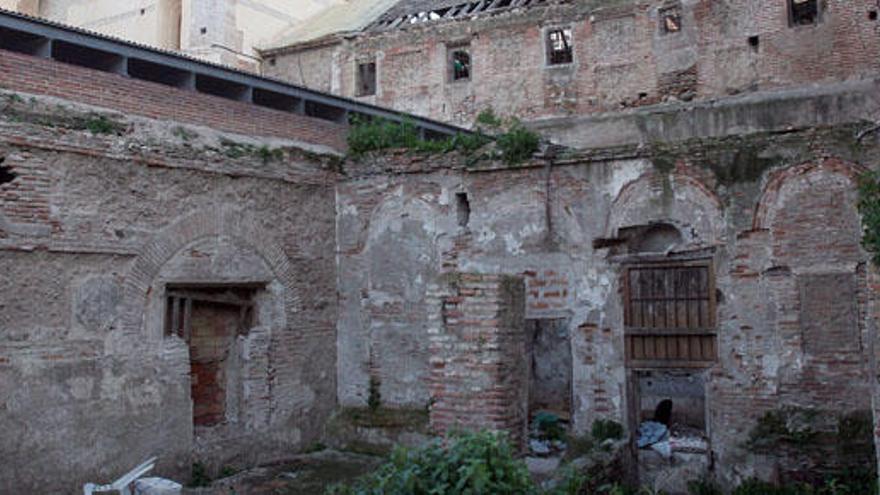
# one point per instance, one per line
(622, 56)
(95, 226)
(773, 213)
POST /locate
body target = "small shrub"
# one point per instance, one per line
(462, 463)
(703, 487)
(269, 154)
(199, 475)
(487, 118)
(227, 471)
(99, 124)
(605, 429)
(548, 426)
(518, 144)
(315, 447)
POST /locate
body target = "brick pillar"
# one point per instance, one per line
(479, 366)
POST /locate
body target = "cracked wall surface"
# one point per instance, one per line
(94, 228)
(782, 236)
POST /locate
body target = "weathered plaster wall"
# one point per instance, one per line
(92, 228)
(773, 211)
(622, 58)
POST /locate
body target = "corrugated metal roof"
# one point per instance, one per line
(347, 16)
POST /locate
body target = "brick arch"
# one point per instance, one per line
(694, 206)
(810, 214)
(184, 232)
(770, 196)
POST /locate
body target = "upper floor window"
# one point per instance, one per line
(460, 63)
(803, 12)
(670, 19)
(559, 49)
(366, 79)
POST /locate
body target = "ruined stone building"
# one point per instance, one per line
(193, 269)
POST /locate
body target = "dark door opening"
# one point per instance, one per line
(214, 328)
(209, 319)
(549, 404)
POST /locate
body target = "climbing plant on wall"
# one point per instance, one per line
(869, 208)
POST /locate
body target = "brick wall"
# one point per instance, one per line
(621, 57)
(479, 371)
(136, 97)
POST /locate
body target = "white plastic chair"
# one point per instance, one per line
(123, 484)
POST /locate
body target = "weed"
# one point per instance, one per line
(227, 471)
(269, 154)
(315, 447)
(515, 145)
(199, 475)
(481, 462)
(605, 429)
(869, 208)
(704, 486)
(182, 133)
(518, 144)
(99, 124)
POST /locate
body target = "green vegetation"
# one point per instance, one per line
(236, 150)
(830, 487)
(199, 475)
(605, 429)
(869, 208)
(183, 134)
(513, 142)
(789, 425)
(227, 471)
(462, 463)
(99, 124)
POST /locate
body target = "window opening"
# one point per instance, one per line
(670, 20)
(559, 50)
(461, 64)
(6, 173)
(366, 79)
(464, 209)
(754, 42)
(803, 12)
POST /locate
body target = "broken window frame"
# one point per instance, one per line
(179, 300)
(562, 55)
(803, 13)
(698, 340)
(366, 78)
(463, 72)
(670, 19)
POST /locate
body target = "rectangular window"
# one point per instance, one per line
(366, 79)
(459, 63)
(803, 12)
(670, 20)
(669, 314)
(559, 50)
